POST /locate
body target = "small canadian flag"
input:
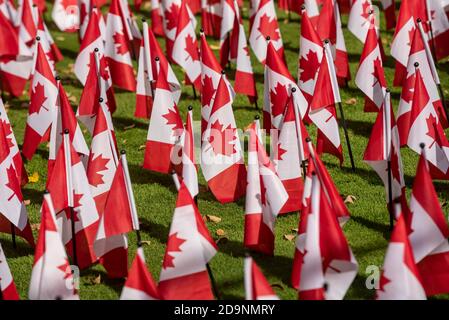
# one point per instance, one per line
(8, 289)
(256, 285)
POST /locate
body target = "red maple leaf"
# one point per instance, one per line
(76, 203)
(120, 43)
(171, 16)
(279, 99)
(13, 183)
(8, 132)
(83, 11)
(383, 281)
(221, 139)
(66, 4)
(280, 152)
(104, 68)
(268, 27)
(208, 91)
(395, 171)
(95, 167)
(436, 132)
(66, 269)
(174, 119)
(38, 99)
(309, 66)
(409, 92)
(378, 74)
(173, 245)
(366, 9)
(411, 34)
(192, 48)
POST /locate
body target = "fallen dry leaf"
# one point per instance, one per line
(145, 242)
(34, 177)
(220, 232)
(73, 99)
(350, 199)
(212, 218)
(129, 127)
(35, 226)
(96, 280)
(295, 230)
(60, 38)
(124, 141)
(351, 101)
(289, 237)
(214, 47)
(27, 202)
(141, 147)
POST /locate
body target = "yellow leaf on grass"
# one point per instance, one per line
(220, 232)
(350, 199)
(289, 237)
(212, 218)
(34, 177)
(27, 202)
(351, 101)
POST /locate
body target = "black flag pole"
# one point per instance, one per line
(387, 135)
(209, 269)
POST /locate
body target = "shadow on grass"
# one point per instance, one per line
(114, 284)
(120, 123)
(382, 228)
(22, 247)
(154, 229)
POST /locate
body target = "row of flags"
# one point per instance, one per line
(86, 185)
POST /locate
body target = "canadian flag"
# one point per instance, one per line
(265, 196)
(256, 285)
(48, 44)
(189, 248)
(322, 110)
(66, 15)
(401, 44)
(65, 119)
(157, 25)
(439, 20)
(328, 265)
(27, 23)
(329, 28)
(189, 168)
(265, 27)
(234, 47)
(147, 73)
(69, 187)
(361, 18)
(51, 277)
(86, 8)
(418, 57)
(211, 73)
(92, 39)
(400, 279)
(425, 127)
(370, 77)
(185, 47)
(140, 284)
(211, 16)
(165, 129)
(9, 10)
(383, 147)
(278, 84)
(170, 10)
(310, 56)
(13, 146)
(8, 289)
(389, 8)
(221, 153)
(42, 109)
(118, 47)
(428, 232)
(313, 9)
(13, 215)
(98, 92)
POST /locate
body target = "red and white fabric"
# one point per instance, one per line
(189, 248)
(49, 46)
(170, 13)
(211, 15)
(221, 153)
(118, 47)
(328, 267)
(42, 109)
(69, 187)
(26, 22)
(361, 18)
(265, 25)
(370, 77)
(278, 84)
(51, 277)
(164, 130)
(265, 196)
(329, 27)
(428, 232)
(400, 278)
(185, 47)
(322, 111)
(147, 73)
(7, 286)
(189, 168)
(310, 56)
(417, 55)
(425, 127)
(157, 25)
(140, 284)
(86, 8)
(389, 8)
(211, 73)
(439, 20)
(384, 146)
(65, 15)
(256, 285)
(9, 10)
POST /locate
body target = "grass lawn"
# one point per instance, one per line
(367, 231)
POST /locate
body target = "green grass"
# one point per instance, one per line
(367, 231)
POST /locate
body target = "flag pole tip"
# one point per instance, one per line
(144, 20)
(416, 64)
(57, 78)
(293, 89)
(418, 20)
(156, 59)
(268, 38)
(123, 151)
(303, 8)
(173, 172)
(38, 38)
(422, 145)
(46, 191)
(326, 41)
(387, 90)
(190, 108)
(256, 117)
(66, 131)
(96, 50)
(223, 72)
(313, 173)
(100, 100)
(308, 139)
(201, 31)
